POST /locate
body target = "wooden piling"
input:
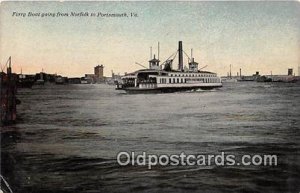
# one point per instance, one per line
(8, 100)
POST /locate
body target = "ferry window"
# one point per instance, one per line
(181, 80)
(177, 80)
(173, 80)
(169, 80)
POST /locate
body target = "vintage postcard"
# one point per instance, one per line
(155, 96)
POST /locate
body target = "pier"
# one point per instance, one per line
(8, 100)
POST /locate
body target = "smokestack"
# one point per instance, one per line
(240, 72)
(180, 56)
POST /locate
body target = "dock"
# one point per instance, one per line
(8, 100)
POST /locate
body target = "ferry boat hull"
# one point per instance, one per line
(166, 89)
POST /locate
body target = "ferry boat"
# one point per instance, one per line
(162, 78)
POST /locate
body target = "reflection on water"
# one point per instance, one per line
(68, 137)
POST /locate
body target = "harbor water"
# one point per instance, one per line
(68, 136)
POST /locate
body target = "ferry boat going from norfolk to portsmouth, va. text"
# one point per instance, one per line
(160, 78)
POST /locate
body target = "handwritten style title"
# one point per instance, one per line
(73, 14)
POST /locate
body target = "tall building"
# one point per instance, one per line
(98, 71)
(290, 72)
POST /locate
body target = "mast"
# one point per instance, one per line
(158, 51)
(230, 71)
(9, 66)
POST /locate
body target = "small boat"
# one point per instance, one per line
(25, 81)
(229, 80)
(41, 80)
(59, 80)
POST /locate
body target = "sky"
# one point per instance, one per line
(254, 36)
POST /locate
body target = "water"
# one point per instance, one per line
(68, 136)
